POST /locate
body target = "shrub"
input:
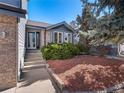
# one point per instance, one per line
(103, 50)
(60, 51)
(83, 48)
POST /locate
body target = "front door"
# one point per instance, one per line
(31, 40)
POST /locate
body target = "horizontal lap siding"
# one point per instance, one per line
(21, 44)
(48, 38)
(62, 29)
(21, 39)
(42, 38)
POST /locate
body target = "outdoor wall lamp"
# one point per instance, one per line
(2, 34)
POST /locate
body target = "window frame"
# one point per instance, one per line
(58, 38)
(69, 39)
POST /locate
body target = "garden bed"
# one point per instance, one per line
(88, 73)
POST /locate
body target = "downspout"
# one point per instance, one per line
(45, 37)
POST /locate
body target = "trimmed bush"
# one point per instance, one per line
(60, 51)
(83, 48)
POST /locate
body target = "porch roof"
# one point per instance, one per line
(60, 24)
(37, 24)
(48, 26)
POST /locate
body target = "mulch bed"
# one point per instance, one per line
(88, 73)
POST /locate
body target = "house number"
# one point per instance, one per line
(2, 34)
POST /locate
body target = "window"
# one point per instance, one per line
(69, 38)
(55, 37)
(58, 37)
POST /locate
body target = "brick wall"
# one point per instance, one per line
(8, 63)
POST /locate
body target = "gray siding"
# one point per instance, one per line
(6, 12)
(21, 39)
(15, 3)
(21, 44)
(62, 29)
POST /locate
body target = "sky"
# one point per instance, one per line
(54, 11)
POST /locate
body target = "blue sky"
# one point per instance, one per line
(54, 11)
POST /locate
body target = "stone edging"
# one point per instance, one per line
(61, 85)
(57, 80)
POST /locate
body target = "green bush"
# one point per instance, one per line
(82, 48)
(60, 51)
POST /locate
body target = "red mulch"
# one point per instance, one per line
(87, 73)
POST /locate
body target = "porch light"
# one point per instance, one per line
(2, 34)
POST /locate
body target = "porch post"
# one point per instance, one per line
(45, 37)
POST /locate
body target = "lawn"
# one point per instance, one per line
(87, 73)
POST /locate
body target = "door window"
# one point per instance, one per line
(31, 40)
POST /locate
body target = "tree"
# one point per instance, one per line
(116, 5)
(104, 16)
(113, 19)
(86, 22)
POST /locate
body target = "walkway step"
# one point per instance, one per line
(30, 67)
(34, 62)
(33, 59)
(32, 55)
(33, 51)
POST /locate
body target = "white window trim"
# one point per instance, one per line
(119, 50)
(67, 41)
(70, 38)
(58, 37)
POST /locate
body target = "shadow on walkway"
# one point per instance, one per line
(32, 76)
(37, 81)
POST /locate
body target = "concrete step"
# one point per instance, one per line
(30, 67)
(35, 56)
(33, 51)
(33, 59)
(34, 62)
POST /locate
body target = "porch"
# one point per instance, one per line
(35, 37)
(33, 40)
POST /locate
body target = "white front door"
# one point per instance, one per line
(31, 40)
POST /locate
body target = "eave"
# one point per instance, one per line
(12, 10)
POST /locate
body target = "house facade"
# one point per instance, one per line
(12, 17)
(17, 34)
(39, 34)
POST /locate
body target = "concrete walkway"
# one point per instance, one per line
(36, 77)
(37, 81)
